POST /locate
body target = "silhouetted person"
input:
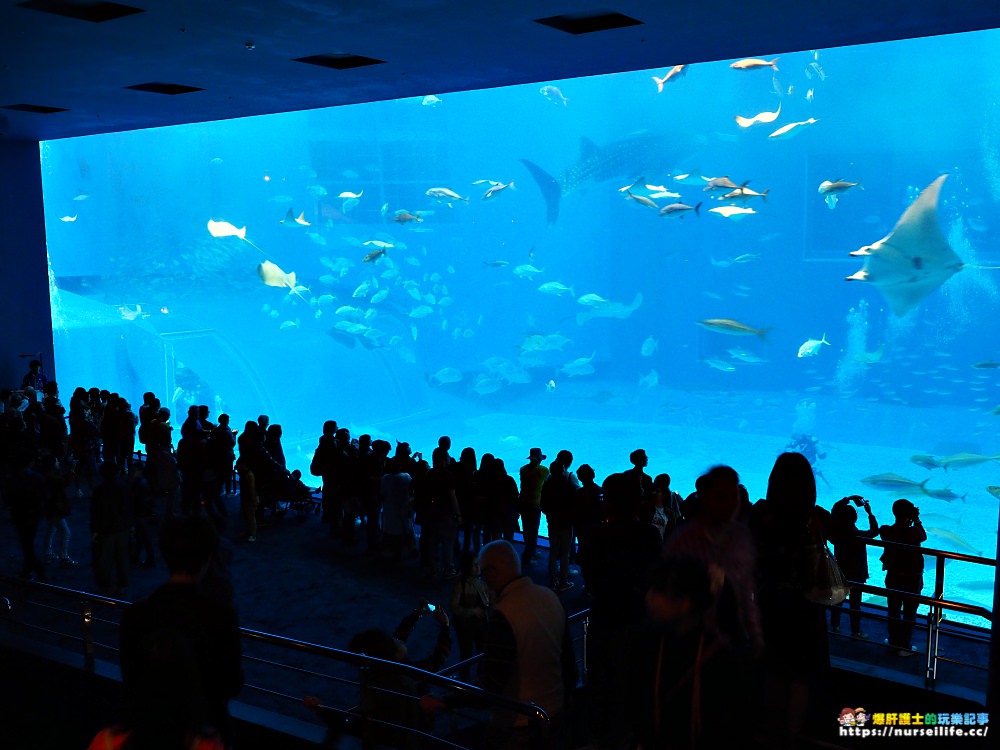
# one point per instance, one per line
(637, 474)
(110, 523)
(34, 378)
(851, 553)
(904, 571)
(787, 531)
(26, 499)
(615, 559)
(533, 476)
(180, 649)
(683, 684)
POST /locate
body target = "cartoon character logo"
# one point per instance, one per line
(847, 718)
(860, 716)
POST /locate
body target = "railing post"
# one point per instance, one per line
(87, 624)
(934, 617)
(364, 705)
(586, 628)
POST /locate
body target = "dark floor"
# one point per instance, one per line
(297, 582)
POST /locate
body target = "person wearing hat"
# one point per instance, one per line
(533, 476)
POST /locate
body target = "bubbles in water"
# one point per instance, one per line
(851, 364)
(805, 417)
(991, 151)
(55, 302)
(972, 282)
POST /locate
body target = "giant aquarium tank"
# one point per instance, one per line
(714, 262)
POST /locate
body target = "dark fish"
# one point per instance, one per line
(624, 158)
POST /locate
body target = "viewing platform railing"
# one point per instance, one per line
(87, 624)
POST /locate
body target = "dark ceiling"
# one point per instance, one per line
(242, 55)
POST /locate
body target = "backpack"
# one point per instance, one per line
(553, 494)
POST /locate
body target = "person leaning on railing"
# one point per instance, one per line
(389, 697)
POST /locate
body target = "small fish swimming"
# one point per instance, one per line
(379, 297)
(731, 327)
(925, 461)
(650, 380)
(678, 209)
(551, 386)
(592, 300)
(374, 255)
(893, 483)
(447, 375)
(735, 213)
(960, 544)
(649, 347)
(963, 460)
(527, 271)
(721, 183)
(945, 494)
(754, 63)
(348, 194)
(811, 347)
(672, 75)
(556, 288)
(579, 366)
(316, 191)
(744, 356)
(744, 194)
(835, 187)
(791, 129)
(421, 312)
(641, 200)
(554, 95)
(495, 190)
(495, 263)
(444, 195)
(73, 218)
(404, 217)
(719, 364)
(430, 101)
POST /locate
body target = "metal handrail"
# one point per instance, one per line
(536, 716)
(582, 617)
(936, 602)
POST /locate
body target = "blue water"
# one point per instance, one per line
(146, 298)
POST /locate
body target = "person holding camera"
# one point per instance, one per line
(904, 571)
(851, 553)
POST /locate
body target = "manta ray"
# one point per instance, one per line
(914, 259)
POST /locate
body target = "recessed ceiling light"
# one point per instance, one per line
(95, 12)
(37, 109)
(340, 61)
(171, 89)
(588, 21)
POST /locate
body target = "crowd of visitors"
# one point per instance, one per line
(686, 594)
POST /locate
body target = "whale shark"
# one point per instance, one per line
(624, 158)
